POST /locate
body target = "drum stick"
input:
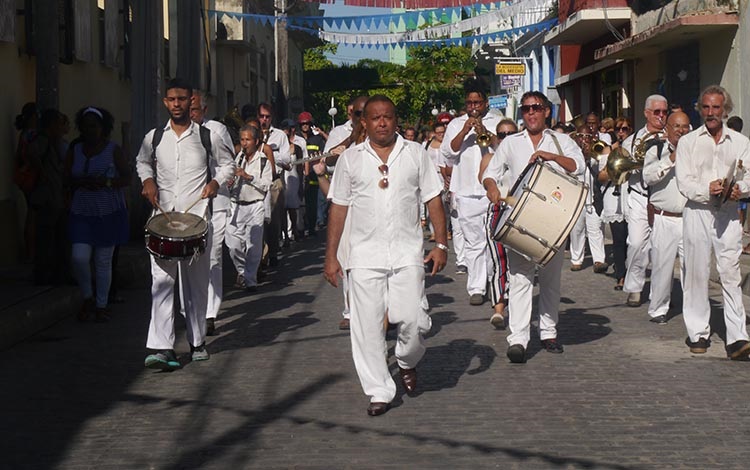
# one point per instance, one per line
(510, 200)
(193, 204)
(169, 221)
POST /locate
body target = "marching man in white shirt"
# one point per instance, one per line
(245, 229)
(461, 150)
(176, 180)
(668, 202)
(636, 213)
(513, 156)
(380, 184)
(710, 220)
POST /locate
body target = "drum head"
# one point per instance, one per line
(180, 225)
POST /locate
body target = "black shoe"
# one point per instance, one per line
(377, 408)
(739, 350)
(700, 346)
(273, 262)
(552, 346)
(210, 327)
(517, 354)
(600, 268)
(659, 320)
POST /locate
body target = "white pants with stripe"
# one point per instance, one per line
(639, 244)
(703, 229)
(215, 278)
(372, 293)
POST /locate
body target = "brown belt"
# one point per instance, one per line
(667, 213)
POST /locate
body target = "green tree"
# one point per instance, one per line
(315, 58)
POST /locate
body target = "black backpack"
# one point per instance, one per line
(205, 133)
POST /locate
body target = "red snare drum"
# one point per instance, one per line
(182, 237)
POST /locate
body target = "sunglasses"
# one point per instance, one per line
(527, 108)
(503, 135)
(622, 128)
(659, 112)
(383, 183)
(265, 116)
(304, 123)
(473, 103)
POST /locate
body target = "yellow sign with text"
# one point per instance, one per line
(510, 69)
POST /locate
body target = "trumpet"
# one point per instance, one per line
(590, 145)
(484, 138)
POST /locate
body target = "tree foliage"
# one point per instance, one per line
(432, 77)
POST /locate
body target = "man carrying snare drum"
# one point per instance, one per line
(180, 174)
(514, 154)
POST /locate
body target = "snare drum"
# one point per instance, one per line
(547, 206)
(182, 238)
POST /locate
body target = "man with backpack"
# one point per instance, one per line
(181, 166)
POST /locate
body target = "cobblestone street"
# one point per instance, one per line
(280, 390)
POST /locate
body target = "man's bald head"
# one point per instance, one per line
(678, 124)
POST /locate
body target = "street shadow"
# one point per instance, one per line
(442, 366)
(250, 330)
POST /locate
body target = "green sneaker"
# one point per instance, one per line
(199, 353)
(163, 360)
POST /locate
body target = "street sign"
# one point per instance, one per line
(498, 101)
(510, 81)
(514, 68)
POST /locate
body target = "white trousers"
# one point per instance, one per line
(589, 225)
(346, 313)
(520, 294)
(215, 278)
(639, 244)
(193, 280)
(81, 267)
(373, 292)
(471, 214)
(666, 243)
(245, 239)
(458, 235)
(703, 229)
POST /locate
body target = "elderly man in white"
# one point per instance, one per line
(636, 213)
(668, 202)
(705, 157)
(379, 184)
(513, 156)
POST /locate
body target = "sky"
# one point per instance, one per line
(352, 54)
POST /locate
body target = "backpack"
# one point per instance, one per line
(205, 133)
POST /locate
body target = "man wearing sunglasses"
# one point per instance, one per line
(513, 156)
(379, 185)
(461, 151)
(639, 230)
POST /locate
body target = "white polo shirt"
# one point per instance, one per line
(279, 143)
(385, 230)
(700, 160)
(514, 152)
(337, 135)
(181, 167)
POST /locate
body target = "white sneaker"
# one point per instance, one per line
(498, 321)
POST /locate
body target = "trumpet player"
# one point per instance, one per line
(704, 157)
(589, 225)
(462, 151)
(636, 210)
(668, 202)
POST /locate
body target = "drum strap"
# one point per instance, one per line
(557, 143)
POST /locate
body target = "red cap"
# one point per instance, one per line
(444, 118)
(304, 116)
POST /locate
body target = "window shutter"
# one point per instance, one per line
(82, 23)
(7, 20)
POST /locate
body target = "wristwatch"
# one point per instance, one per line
(442, 247)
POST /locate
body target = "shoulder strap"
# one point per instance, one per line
(557, 143)
(205, 133)
(155, 140)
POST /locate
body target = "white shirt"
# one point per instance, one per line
(658, 174)
(515, 151)
(181, 167)
(636, 186)
(261, 180)
(279, 143)
(700, 160)
(465, 176)
(337, 135)
(385, 230)
(221, 201)
(605, 137)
